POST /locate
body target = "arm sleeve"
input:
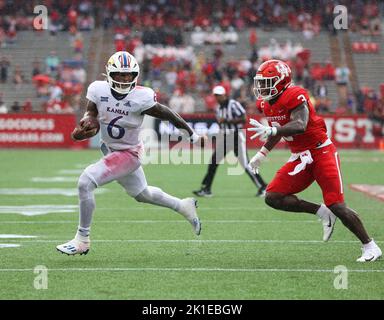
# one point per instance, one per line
(148, 99)
(91, 93)
(296, 98)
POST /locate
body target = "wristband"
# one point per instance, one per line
(264, 151)
(273, 131)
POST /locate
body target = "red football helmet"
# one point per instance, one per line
(272, 77)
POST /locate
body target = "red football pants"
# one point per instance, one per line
(325, 170)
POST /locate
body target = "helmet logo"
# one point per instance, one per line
(124, 61)
(283, 69)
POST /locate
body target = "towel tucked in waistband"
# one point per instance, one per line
(305, 157)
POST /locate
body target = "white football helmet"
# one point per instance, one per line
(122, 61)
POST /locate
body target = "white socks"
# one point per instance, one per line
(80, 235)
(86, 205)
(370, 245)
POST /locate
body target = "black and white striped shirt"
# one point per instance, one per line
(231, 109)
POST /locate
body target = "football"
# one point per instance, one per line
(90, 123)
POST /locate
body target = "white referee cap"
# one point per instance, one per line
(218, 90)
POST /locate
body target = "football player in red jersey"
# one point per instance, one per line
(291, 116)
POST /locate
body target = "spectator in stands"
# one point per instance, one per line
(351, 103)
(78, 43)
(18, 77)
(72, 16)
(342, 76)
(27, 106)
(170, 78)
(371, 102)
(11, 32)
(359, 97)
(4, 65)
(308, 81)
(237, 83)
(181, 102)
(3, 106)
(375, 26)
(52, 62)
(15, 108)
(87, 23)
(328, 71)
(79, 75)
(56, 93)
(3, 43)
(36, 67)
(253, 38)
(321, 90)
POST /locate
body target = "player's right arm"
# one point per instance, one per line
(84, 129)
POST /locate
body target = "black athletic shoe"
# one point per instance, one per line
(203, 193)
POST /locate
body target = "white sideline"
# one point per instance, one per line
(192, 270)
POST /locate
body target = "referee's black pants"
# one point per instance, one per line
(225, 142)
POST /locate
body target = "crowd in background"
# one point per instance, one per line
(164, 21)
(182, 76)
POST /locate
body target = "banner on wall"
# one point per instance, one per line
(355, 131)
(38, 131)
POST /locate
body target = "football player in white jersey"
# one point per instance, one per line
(119, 106)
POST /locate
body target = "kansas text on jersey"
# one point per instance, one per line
(120, 120)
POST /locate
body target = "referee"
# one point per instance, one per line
(231, 117)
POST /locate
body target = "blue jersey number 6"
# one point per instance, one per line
(112, 125)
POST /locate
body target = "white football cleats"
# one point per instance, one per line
(73, 247)
(328, 225)
(188, 210)
(370, 254)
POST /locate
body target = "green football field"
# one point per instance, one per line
(246, 250)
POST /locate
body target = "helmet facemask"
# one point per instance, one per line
(121, 87)
(265, 87)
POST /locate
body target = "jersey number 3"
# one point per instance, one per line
(118, 133)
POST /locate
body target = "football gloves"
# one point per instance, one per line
(257, 159)
(262, 131)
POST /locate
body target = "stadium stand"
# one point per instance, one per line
(191, 47)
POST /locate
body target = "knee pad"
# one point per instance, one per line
(86, 187)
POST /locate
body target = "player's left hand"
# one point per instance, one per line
(261, 130)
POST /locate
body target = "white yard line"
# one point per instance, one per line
(8, 245)
(157, 221)
(190, 270)
(15, 236)
(71, 171)
(33, 210)
(54, 179)
(198, 241)
(70, 192)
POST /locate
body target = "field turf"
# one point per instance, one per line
(246, 250)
